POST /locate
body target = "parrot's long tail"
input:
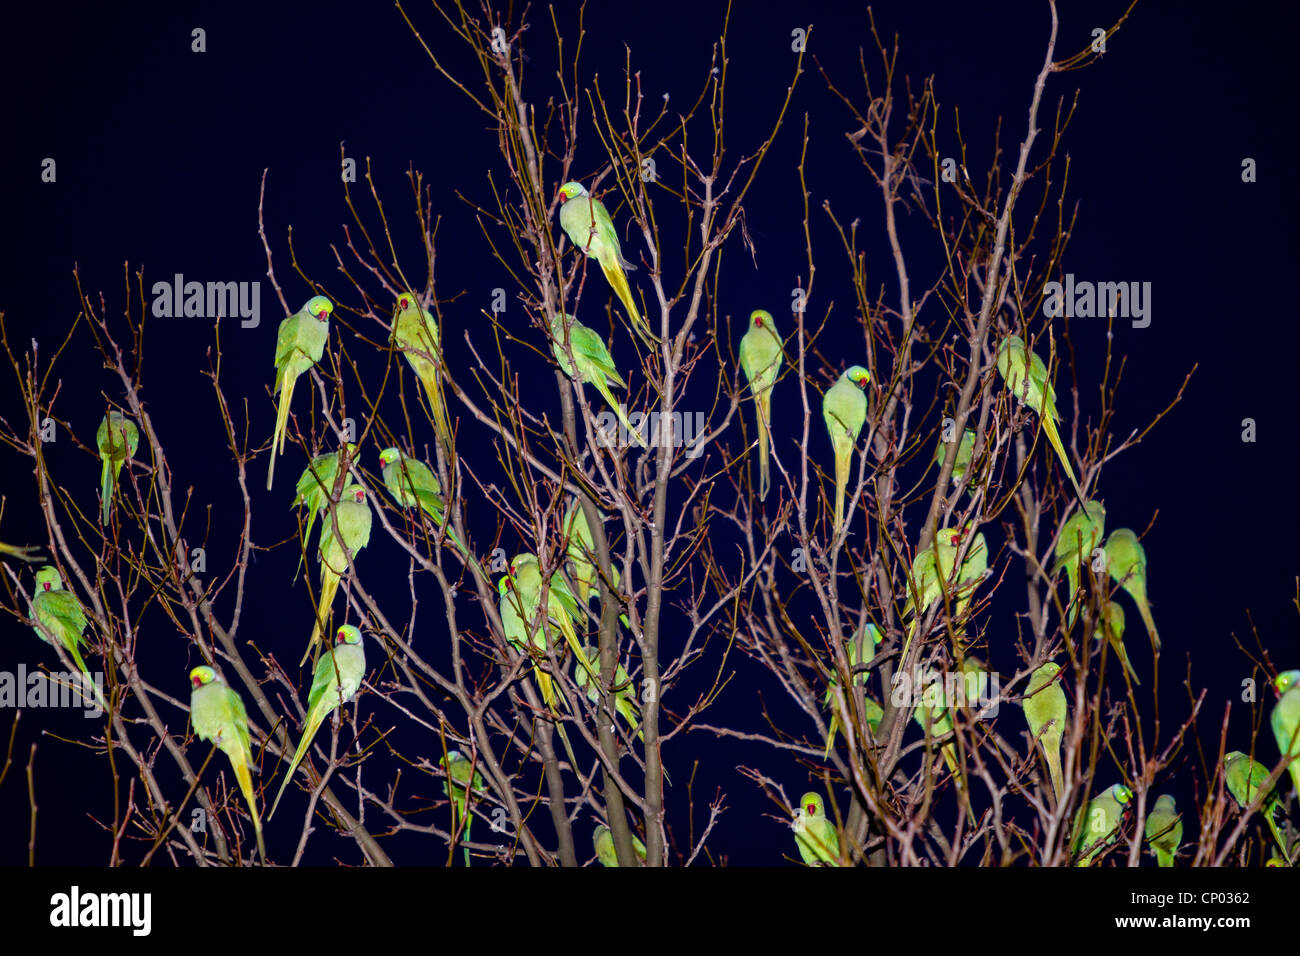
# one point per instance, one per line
(469, 822)
(308, 732)
(281, 426)
(830, 735)
(1123, 656)
(75, 654)
(1049, 429)
(617, 279)
(1054, 768)
(959, 779)
(842, 463)
(763, 404)
(432, 382)
(246, 785)
(105, 492)
(1267, 811)
(329, 585)
(568, 747)
(1144, 608)
(613, 403)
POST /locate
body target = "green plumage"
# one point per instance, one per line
(218, 715)
(964, 452)
(458, 767)
(859, 650)
(594, 365)
(415, 333)
(844, 408)
(1244, 778)
(335, 681)
(299, 344)
(1126, 561)
(1286, 722)
(314, 488)
(624, 691)
(603, 842)
(1045, 712)
(1164, 830)
(1099, 824)
(1080, 536)
(60, 613)
(117, 438)
(760, 359)
(354, 519)
(814, 835)
(586, 222)
(1110, 627)
(412, 483)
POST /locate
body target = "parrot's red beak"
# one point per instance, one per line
(196, 682)
(46, 585)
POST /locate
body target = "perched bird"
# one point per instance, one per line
(1164, 830)
(1026, 378)
(1286, 721)
(934, 714)
(314, 488)
(868, 641)
(218, 715)
(562, 608)
(964, 452)
(591, 364)
(1244, 778)
(603, 842)
(337, 677)
(117, 438)
(1045, 712)
(814, 835)
(624, 691)
(415, 333)
(586, 222)
(1079, 537)
(844, 407)
(411, 482)
(1126, 561)
(1098, 825)
(354, 518)
(760, 359)
(58, 614)
(457, 767)
(1110, 627)
(299, 345)
(932, 575)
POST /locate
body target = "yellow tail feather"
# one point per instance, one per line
(618, 282)
(763, 402)
(246, 785)
(281, 426)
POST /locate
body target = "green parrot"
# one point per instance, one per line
(624, 691)
(934, 715)
(218, 715)
(457, 767)
(844, 407)
(1045, 712)
(117, 438)
(1097, 826)
(60, 613)
(562, 609)
(1031, 386)
(814, 835)
(868, 641)
(314, 489)
(415, 333)
(22, 553)
(1126, 560)
(337, 677)
(1286, 721)
(1244, 777)
(595, 366)
(1080, 536)
(603, 841)
(964, 452)
(580, 553)
(926, 574)
(1164, 830)
(299, 345)
(586, 222)
(760, 359)
(411, 482)
(354, 520)
(1110, 627)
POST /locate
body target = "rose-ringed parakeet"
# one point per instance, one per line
(415, 333)
(581, 554)
(844, 407)
(411, 482)
(1110, 627)
(859, 650)
(586, 222)
(1286, 721)
(1098, 825)
(117, 438)
(624, 691)
(354, 517)
(1164, 830)
(1045, 712)
(314, 488)
(760, 359)
(1026, 378)
(603, 842)
(932, 573)
(457, 767)
(59, 613)
(218, 715)
(591, 364)
(814, 835)
(934, 714)
(1126, 561)
(964, 452)
(299, 345)
(1080, 536)
(1244, 778)
(337, 677)
(562, 608)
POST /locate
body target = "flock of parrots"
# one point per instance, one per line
(218, 714)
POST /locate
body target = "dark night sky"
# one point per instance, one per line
(160, 152)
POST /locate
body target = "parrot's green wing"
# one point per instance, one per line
(760, 360)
